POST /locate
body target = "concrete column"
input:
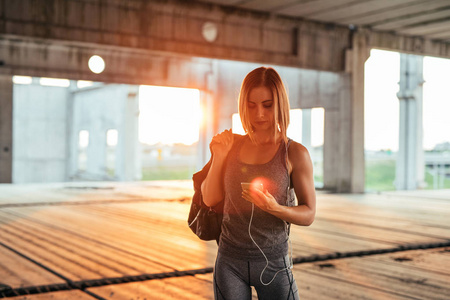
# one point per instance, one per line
(355, 60)
(133, 167)
(71, 134)
(410, 158)
(330, 153)
(209, 116)
(338, 141)
(6, 128)
(306, 128)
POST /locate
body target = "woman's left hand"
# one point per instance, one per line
(262, 199)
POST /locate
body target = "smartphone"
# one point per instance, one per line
(246, 186)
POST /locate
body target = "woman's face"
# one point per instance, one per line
(260, 105)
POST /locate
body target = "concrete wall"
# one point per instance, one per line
(97, 110)
(39, 135)
(47, 121)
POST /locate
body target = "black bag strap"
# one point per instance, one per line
(286, 158)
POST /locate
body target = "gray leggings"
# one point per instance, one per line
(233, 279)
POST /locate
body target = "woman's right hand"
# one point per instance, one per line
(221, 143)
(212, 186)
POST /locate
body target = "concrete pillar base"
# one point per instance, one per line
(410, 159)
(6, 128)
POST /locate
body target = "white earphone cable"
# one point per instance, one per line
(291, 262)
(267, 261)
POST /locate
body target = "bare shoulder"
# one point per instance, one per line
(298, 155)
(298, 151)
(237, 137)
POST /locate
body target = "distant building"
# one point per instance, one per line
(442, 147)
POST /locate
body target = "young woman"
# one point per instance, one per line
(253, 246)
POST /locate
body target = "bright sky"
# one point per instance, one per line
(173, 115)
(382, 75)
(169, 115)
(381, 115)
(436, 107)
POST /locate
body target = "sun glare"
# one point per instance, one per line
(169, 115)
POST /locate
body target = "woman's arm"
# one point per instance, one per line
(303, 181)
(212, 186)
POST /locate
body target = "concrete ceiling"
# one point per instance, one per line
(424, 18)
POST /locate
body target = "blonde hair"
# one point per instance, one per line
(269, 78)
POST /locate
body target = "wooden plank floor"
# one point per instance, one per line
(58, 233)
(72, 295)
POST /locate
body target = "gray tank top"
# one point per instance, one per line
(269, 232)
